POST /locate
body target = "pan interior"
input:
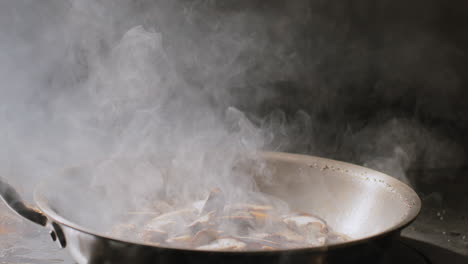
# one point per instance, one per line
(353, 200)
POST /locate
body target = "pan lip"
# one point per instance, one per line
(406, 220)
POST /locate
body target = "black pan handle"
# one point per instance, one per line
(14, 201)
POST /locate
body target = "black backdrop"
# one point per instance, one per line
(351, 66)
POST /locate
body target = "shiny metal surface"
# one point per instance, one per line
(354, 200)
(369, 206)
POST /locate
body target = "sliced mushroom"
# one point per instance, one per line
(260, 235)
(160, 224)
(268, 248)
(214, 202)
(204, 237)
(285, 236)
(312, 228)
(260, 217)
(184, 213)
(180, 241)
(205, 221)
(240, 223)
(334, 238)
(224, 244)
(305, 223)
(154, 236)
(254, 242)
(249, 207)
(238, 213)
(170, 222)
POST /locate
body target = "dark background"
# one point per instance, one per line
(357, 69)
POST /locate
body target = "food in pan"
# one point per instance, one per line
(214, 224)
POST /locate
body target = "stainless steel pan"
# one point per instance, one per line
(367, 205)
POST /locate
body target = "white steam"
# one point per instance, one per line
(84, 82)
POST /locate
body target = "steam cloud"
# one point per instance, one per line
(163, 81)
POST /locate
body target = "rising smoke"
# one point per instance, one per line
(195, 84)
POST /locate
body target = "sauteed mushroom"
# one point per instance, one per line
(215, 224)
(225, 244)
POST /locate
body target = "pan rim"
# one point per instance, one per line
(406, 220)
